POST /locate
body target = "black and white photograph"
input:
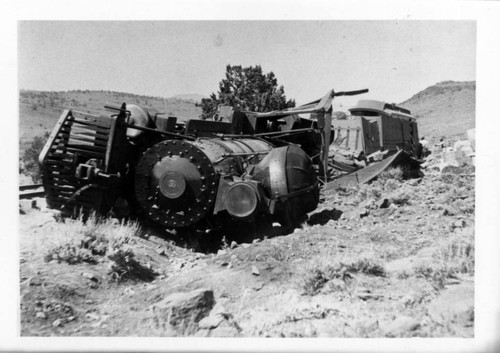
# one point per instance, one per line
(297, 180)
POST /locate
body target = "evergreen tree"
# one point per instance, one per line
(247, 89)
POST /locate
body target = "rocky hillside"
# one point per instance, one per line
(390, 259)
(39, 111)
(445, 109)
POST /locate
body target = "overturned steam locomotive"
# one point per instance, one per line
(254, 168)
(243, 170)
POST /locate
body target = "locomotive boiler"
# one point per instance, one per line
(203, 174)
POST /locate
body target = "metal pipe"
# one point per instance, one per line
(274, 133)
(172, 134)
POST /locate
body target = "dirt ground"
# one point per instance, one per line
(390, 259)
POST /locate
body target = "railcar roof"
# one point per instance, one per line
(381, 107)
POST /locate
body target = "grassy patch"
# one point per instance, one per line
(273, 253)
(84, 241)
(458, 251)
(455, 256)
(315, 280)
(435, 273)
(318, 272)
(401, 197)
(91, 241)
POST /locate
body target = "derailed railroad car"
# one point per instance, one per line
(377, 125)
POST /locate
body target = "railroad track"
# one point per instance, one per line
(31, 191)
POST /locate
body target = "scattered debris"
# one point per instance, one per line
(90, 276)
(41, 315)
(255, 271)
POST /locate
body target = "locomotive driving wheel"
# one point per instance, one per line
(175, 183)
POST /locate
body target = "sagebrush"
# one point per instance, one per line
(28, 162)
(318, 272)
(83, 241)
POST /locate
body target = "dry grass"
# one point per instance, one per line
(90, 241)
(83, 241)
(401, 197)
(455, 256)
(274, 253)
(313, 276)
(458, 251)
(392, 173)
(435, 273)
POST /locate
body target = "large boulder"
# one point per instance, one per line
(180, 313)
(401, 326)
(455, 305)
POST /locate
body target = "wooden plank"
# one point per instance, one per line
(60, 171)
(75, 125)
(86, 128)
(64, 188)
(94, 120)
(89, 137)
(91, 125)
(60, 155)
(30, 186)
(62, 179)
(86, 152)
(59, 162)
(28, 194)
(62, 119)
(85, 140)
(86, 132)
(89, 148)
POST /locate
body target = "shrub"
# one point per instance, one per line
(28, 163)
(314, 282)
(367, 266)
(453, 257)
(70, 254)
(349, 190)
(371, 191)
(96, 237)
(391, 185)
(274, 253)
(317, 274)
(436, 274)
(458, 252)
(392, 173)
(126, 267)
(401, 198)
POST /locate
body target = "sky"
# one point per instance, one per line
(394, 59)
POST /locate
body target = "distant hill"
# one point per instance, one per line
(190, 97)
(447, 109)
(39, 110)
(444, 109)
